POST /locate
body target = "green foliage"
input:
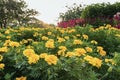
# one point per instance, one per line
(101, 9)
(72, 13)
(14, 12)
(101, 12)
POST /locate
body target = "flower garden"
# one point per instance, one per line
(78, 53)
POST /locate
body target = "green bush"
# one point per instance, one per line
(102, 13)
(101, 9)
(72, 13)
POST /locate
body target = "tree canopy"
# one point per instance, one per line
(15, 10)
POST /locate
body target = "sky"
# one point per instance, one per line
(49, 9)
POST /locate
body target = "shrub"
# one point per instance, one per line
(72, 12)
(53, 54)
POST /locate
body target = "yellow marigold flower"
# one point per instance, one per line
(66, 37)
(62, 31)
(71, 31)
(70, 54)
(21, 78)
(88, 49)
(2, 66)
(51, 40)
(118, 35)
(6, 43)
(29, 40)
(3, 49)
(61, 39)
(94, 42)
(108, 26)
(88, 58)
(49, 33)
(33, 58)
(61, 52)
(93, 61)
(49, 44)
(78, 35)
(29, 47)
(8, 37)
(1, 57)
(96, 62)
(24, 41)
(110, 60)
(79, 51)
(99, 48)
(43, 55)
(85, 36)
(102, 52)
(44, 38)
(28, 52)
(14, 44)
(7, 32)
(63, 48)
(35, 34)
(35, 42)
(51, 59)
(77, 42)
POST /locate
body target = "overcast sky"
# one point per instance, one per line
(49, 9)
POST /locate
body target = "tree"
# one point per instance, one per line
(14, 10)
(72, 12)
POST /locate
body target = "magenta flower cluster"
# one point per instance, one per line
(117, 20)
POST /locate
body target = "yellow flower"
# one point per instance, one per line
(79, 51)
(96, 62)
(110, 60)
(71, 31)
(14, 44)
(94, 42)
(6, 43)
(7, 32)
(117, 35)
(21, 78)
(88, 58)
(85, 36)
(29, 39)
(3, 49)
(61, 52)
(63, 48)
(78, 35)
(102, 52)
(61, 39)
(24, 41)
(8, 37)
(33, 58)
(62, 31)
(49, 44)
(66, 37)
(88, 49)
(44, 38)
(35, 34)
(99, 48)
(70, 54)
(1, 57)
(2, 66)
(77, 42)
(43, 55)
(28, 52)
(93, 61)
(51, 59)
(49, 33)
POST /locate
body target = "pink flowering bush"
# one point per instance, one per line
(117, 20)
